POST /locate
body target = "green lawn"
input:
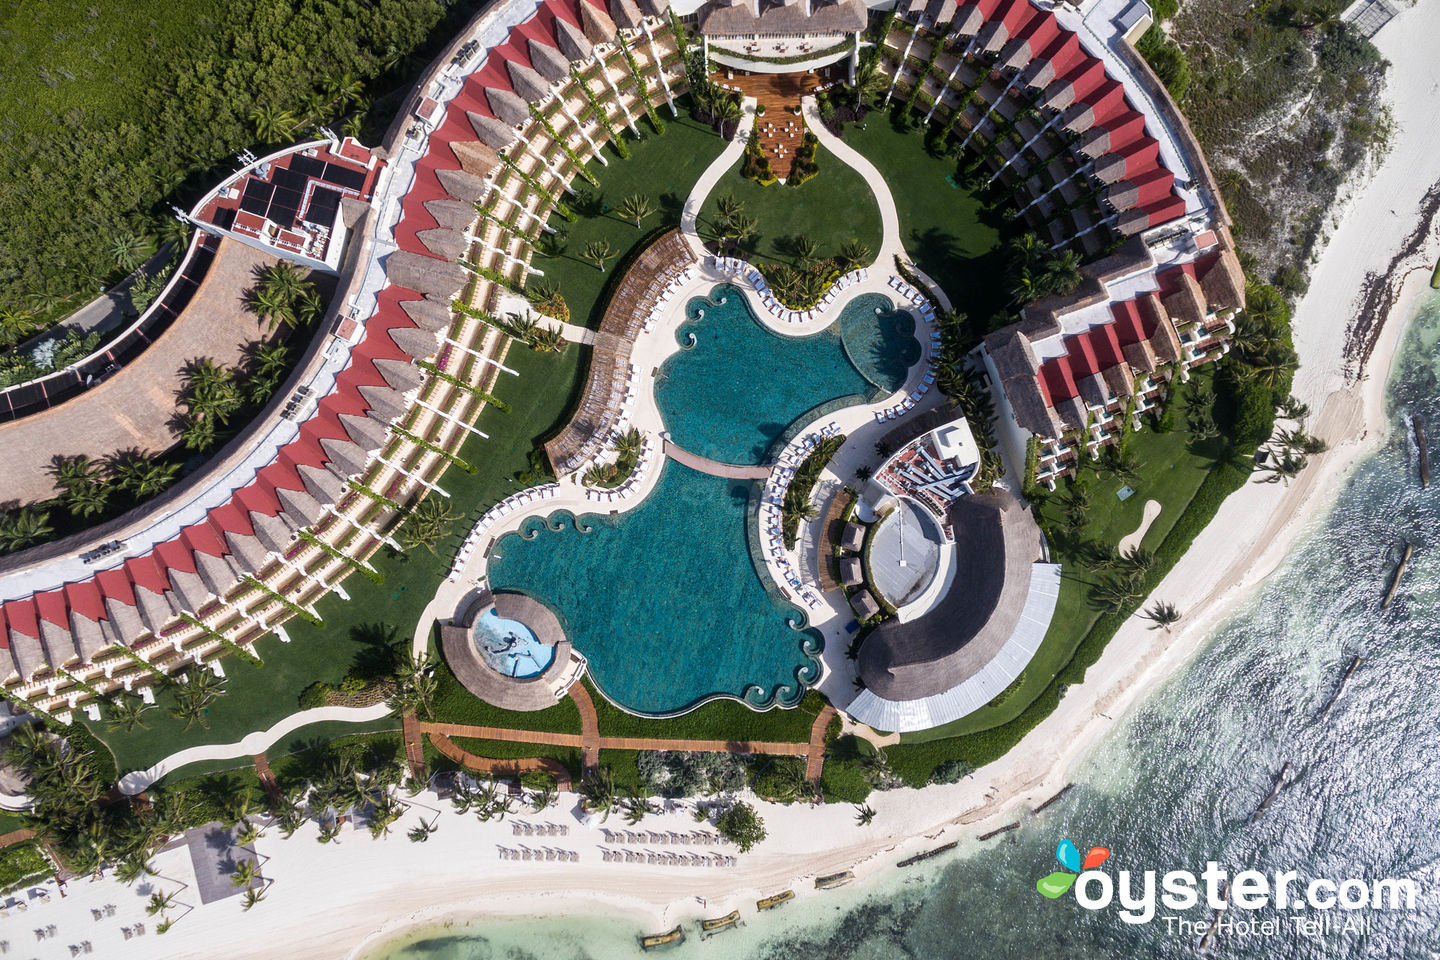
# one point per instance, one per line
(834, 207)
(716, 720)
(950, 232)
(510, 750)
(258, 697)
(1171, 470)
(455, 704)
(663, 168)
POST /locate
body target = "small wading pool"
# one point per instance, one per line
(509, 647)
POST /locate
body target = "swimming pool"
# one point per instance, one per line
(736, 387)
(665, 601)
(509, 647)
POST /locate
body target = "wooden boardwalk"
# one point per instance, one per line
(267, 776)
(714, 467)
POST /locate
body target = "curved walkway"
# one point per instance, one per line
(256, 743)
(714, 467)
(492, 767)
(727, 159)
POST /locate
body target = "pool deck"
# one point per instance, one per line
(827, 612)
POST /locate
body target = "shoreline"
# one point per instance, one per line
(359, 895)
(1345, 370)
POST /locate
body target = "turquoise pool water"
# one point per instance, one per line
(509, 647)
(737, 386)
(665, 601)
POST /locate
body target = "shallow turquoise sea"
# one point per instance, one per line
(1179, 781)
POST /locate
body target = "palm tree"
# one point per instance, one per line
(308, 306)
(636, 207)
(244, 874)
(805, 249)
(543, 798)
(329, 831)
(24, 527)
(727, 208)
(1292, 409)
(252, 897)
(269, 359)
(142, 477)
(597, 252)
(547, 299)
(272, 306)
(159, 902)
(427, 525)
(125, 712)
(1062, 274)
(864, 814)
(629, 443)
(740, 228)
(134, 867)
(128, 250)
(15, 325)
(272, 125)
(422, 831)
(548, 340)
(1116, 593)
(597, 792)
(853, 253)
(1137, 559)
(76, 471)
(1164, 614)
(727, 110)
(199, 432)
(86, 501)
(1285, 467)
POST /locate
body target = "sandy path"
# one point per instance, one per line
(1147, 517)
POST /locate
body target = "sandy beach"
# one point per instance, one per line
(344, 898)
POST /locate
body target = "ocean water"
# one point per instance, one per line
(1180, 780)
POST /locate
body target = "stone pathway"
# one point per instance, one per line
(502, 768)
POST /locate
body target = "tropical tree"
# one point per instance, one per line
(1163, 614)
(252, 897)
(245, 874)
(598, 252)
(1283, 468)
(805, 249)
(159, 902)
(1116, 593)
(728, 208)
(133, 867)
(853, 253)
(143, 477)
(128, 250)
(597, 792)
(272, 125)
(422, 830)
(427, 525)
(742, 825)
(864, 814)
(636, 208)
(125, 712)
(24, 527)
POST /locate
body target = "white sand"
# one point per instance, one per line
(1147, 517)
(327, 901)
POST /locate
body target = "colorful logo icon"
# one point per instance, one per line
(1057, 883)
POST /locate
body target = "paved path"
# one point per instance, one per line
(589, 726)
(414, 749)
(257, 742)
(267, 776)
(816, 758)
(492, 767)
(890, 245)
(713, 467)
(728, 158)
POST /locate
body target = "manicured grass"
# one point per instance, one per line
(509, 750)
(664, 168)
(831, 209)
(375, 616)
(951, 233)
(455, 704)
(716, 720)
(1171, 470)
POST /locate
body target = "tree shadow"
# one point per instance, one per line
(377, 657)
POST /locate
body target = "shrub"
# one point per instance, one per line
(316, 695)
(951, 771)
(742, 826)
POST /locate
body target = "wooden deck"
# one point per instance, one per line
(781, 128)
